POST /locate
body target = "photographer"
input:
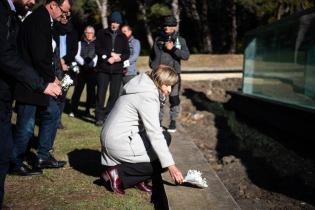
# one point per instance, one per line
(169, 49)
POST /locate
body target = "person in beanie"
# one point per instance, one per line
(112, 49)
(169, 49)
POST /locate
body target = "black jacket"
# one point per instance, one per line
(72, 47)
(35, 43)
(12, 67)
(104, 47)
(72, 40)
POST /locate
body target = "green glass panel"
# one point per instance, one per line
(280, 61)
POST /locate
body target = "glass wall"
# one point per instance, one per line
(280, 61)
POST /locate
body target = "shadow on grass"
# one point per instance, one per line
(262, 171)
(86, 161)
(82, 115)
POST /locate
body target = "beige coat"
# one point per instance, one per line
(122, 138)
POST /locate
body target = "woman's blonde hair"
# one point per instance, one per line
(164, 75)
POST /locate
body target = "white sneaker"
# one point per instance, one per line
(71, 114)
(172, 127)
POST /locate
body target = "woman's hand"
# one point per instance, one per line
(176, 174)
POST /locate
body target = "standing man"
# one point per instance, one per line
(169, 49)
(112, 49)
(67, 39)
(12, 69)
(37, 49)
(134, 46)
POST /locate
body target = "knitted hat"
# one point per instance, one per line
(116, 17)
(169, 20)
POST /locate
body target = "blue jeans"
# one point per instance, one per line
(5, 143)
(25, 124)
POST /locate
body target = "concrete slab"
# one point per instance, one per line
(188, 156)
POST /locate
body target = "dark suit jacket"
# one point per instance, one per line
(35, 42)
(71, 41)
(72, 46)
(12, 67)
(104, 46)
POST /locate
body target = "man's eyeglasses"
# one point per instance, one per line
(65, 14)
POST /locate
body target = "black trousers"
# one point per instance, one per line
(103, 81)
(6, 141)
(133, 173)
(62, 103)
(88, 78)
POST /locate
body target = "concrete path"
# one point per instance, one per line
(187, 156)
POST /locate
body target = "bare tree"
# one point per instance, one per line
(142, 8)
(102, 6)
(201, 22)
(206, 35)
(233, 32)
(176, 12)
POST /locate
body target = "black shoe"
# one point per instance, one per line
(25, 171)
(172, 127)
(61, 126)
(88, 113)
(51, 162)
(99, 123)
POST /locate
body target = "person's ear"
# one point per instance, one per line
(52, 5)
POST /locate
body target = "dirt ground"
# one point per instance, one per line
(258, 171)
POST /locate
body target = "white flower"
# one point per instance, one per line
(126, 64)
(66, 82)
(194, 177)
(74, 67)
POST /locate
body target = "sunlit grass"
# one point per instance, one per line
(76, 185)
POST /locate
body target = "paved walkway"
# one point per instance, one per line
(187, 156)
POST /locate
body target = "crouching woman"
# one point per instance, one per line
(133, 145)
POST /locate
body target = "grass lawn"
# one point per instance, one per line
(77, 185)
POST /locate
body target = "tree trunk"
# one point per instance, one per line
(206, 35)
(282, 9)
(200, 23)
(142, 8)
(102, 6)
(233, 33)
(176, 12)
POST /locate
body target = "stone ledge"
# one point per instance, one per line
(187, 156)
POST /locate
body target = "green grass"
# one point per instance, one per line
(77, 185)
